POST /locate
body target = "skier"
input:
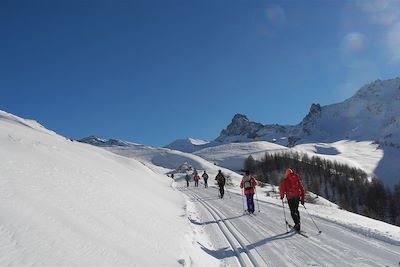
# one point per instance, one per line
(221, 183)
(187, 178)
(205, 177)
(249, 183)
(196, 179)
(294, 190)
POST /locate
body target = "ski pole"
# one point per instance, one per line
(244, 211)
(284, 214)
(258, 204)
(319, 231)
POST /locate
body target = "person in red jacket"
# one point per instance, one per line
(249, 183)
(294, 190)
(196, 179)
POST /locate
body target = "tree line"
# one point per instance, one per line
(346, 186)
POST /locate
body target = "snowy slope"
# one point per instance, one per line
(233, 155)
(223, 154)
(364, 155)
(163, 160)
(65, 203)
(188, 145)
(372, 114)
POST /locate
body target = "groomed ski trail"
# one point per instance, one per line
(261, 239)
(236, 240)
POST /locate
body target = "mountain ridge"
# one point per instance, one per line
(356, 118)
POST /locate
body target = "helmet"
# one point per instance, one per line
(288, 172)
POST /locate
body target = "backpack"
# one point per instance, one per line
(293, 185)
(220, 179)
(247, 184)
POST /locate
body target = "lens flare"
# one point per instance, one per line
(353, 43)
(372, 6)
(381, 12)
(393, 39)
(275, 14)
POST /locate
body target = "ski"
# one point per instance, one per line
(301, 232)
(248, 213)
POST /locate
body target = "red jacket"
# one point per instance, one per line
(253, 183)
(292, 187)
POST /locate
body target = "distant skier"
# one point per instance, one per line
(196, 178)
(205, 177)
(221, 183)
(294, 190)
(249, 183)
(187, 178)
(172, 176)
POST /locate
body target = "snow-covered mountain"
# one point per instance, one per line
(367, 125)
(372, 114)
(188, 145)
(66, 203)
(97, 141)
(241, 129)
(161, 160)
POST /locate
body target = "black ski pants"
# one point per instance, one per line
(221, 190)
(294, 209)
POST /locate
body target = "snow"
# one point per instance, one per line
(65, 203)
(223, 153)
(233, 155)
(347, 239)
(364, 155)
(188, 145)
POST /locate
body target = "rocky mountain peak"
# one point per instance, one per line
(239, 118)
(98, 141)
(240, 126)
(315, 108)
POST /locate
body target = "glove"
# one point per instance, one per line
(281, 198)
(302, 202)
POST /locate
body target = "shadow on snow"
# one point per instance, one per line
(229, 252)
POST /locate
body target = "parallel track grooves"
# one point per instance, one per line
(228, 235)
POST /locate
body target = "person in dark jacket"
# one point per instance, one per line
(220, 178)
(187, 178)
(205, 177)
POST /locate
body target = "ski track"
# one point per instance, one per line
(233, 237)
(261, 239)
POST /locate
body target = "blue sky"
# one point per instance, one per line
(154, 71)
